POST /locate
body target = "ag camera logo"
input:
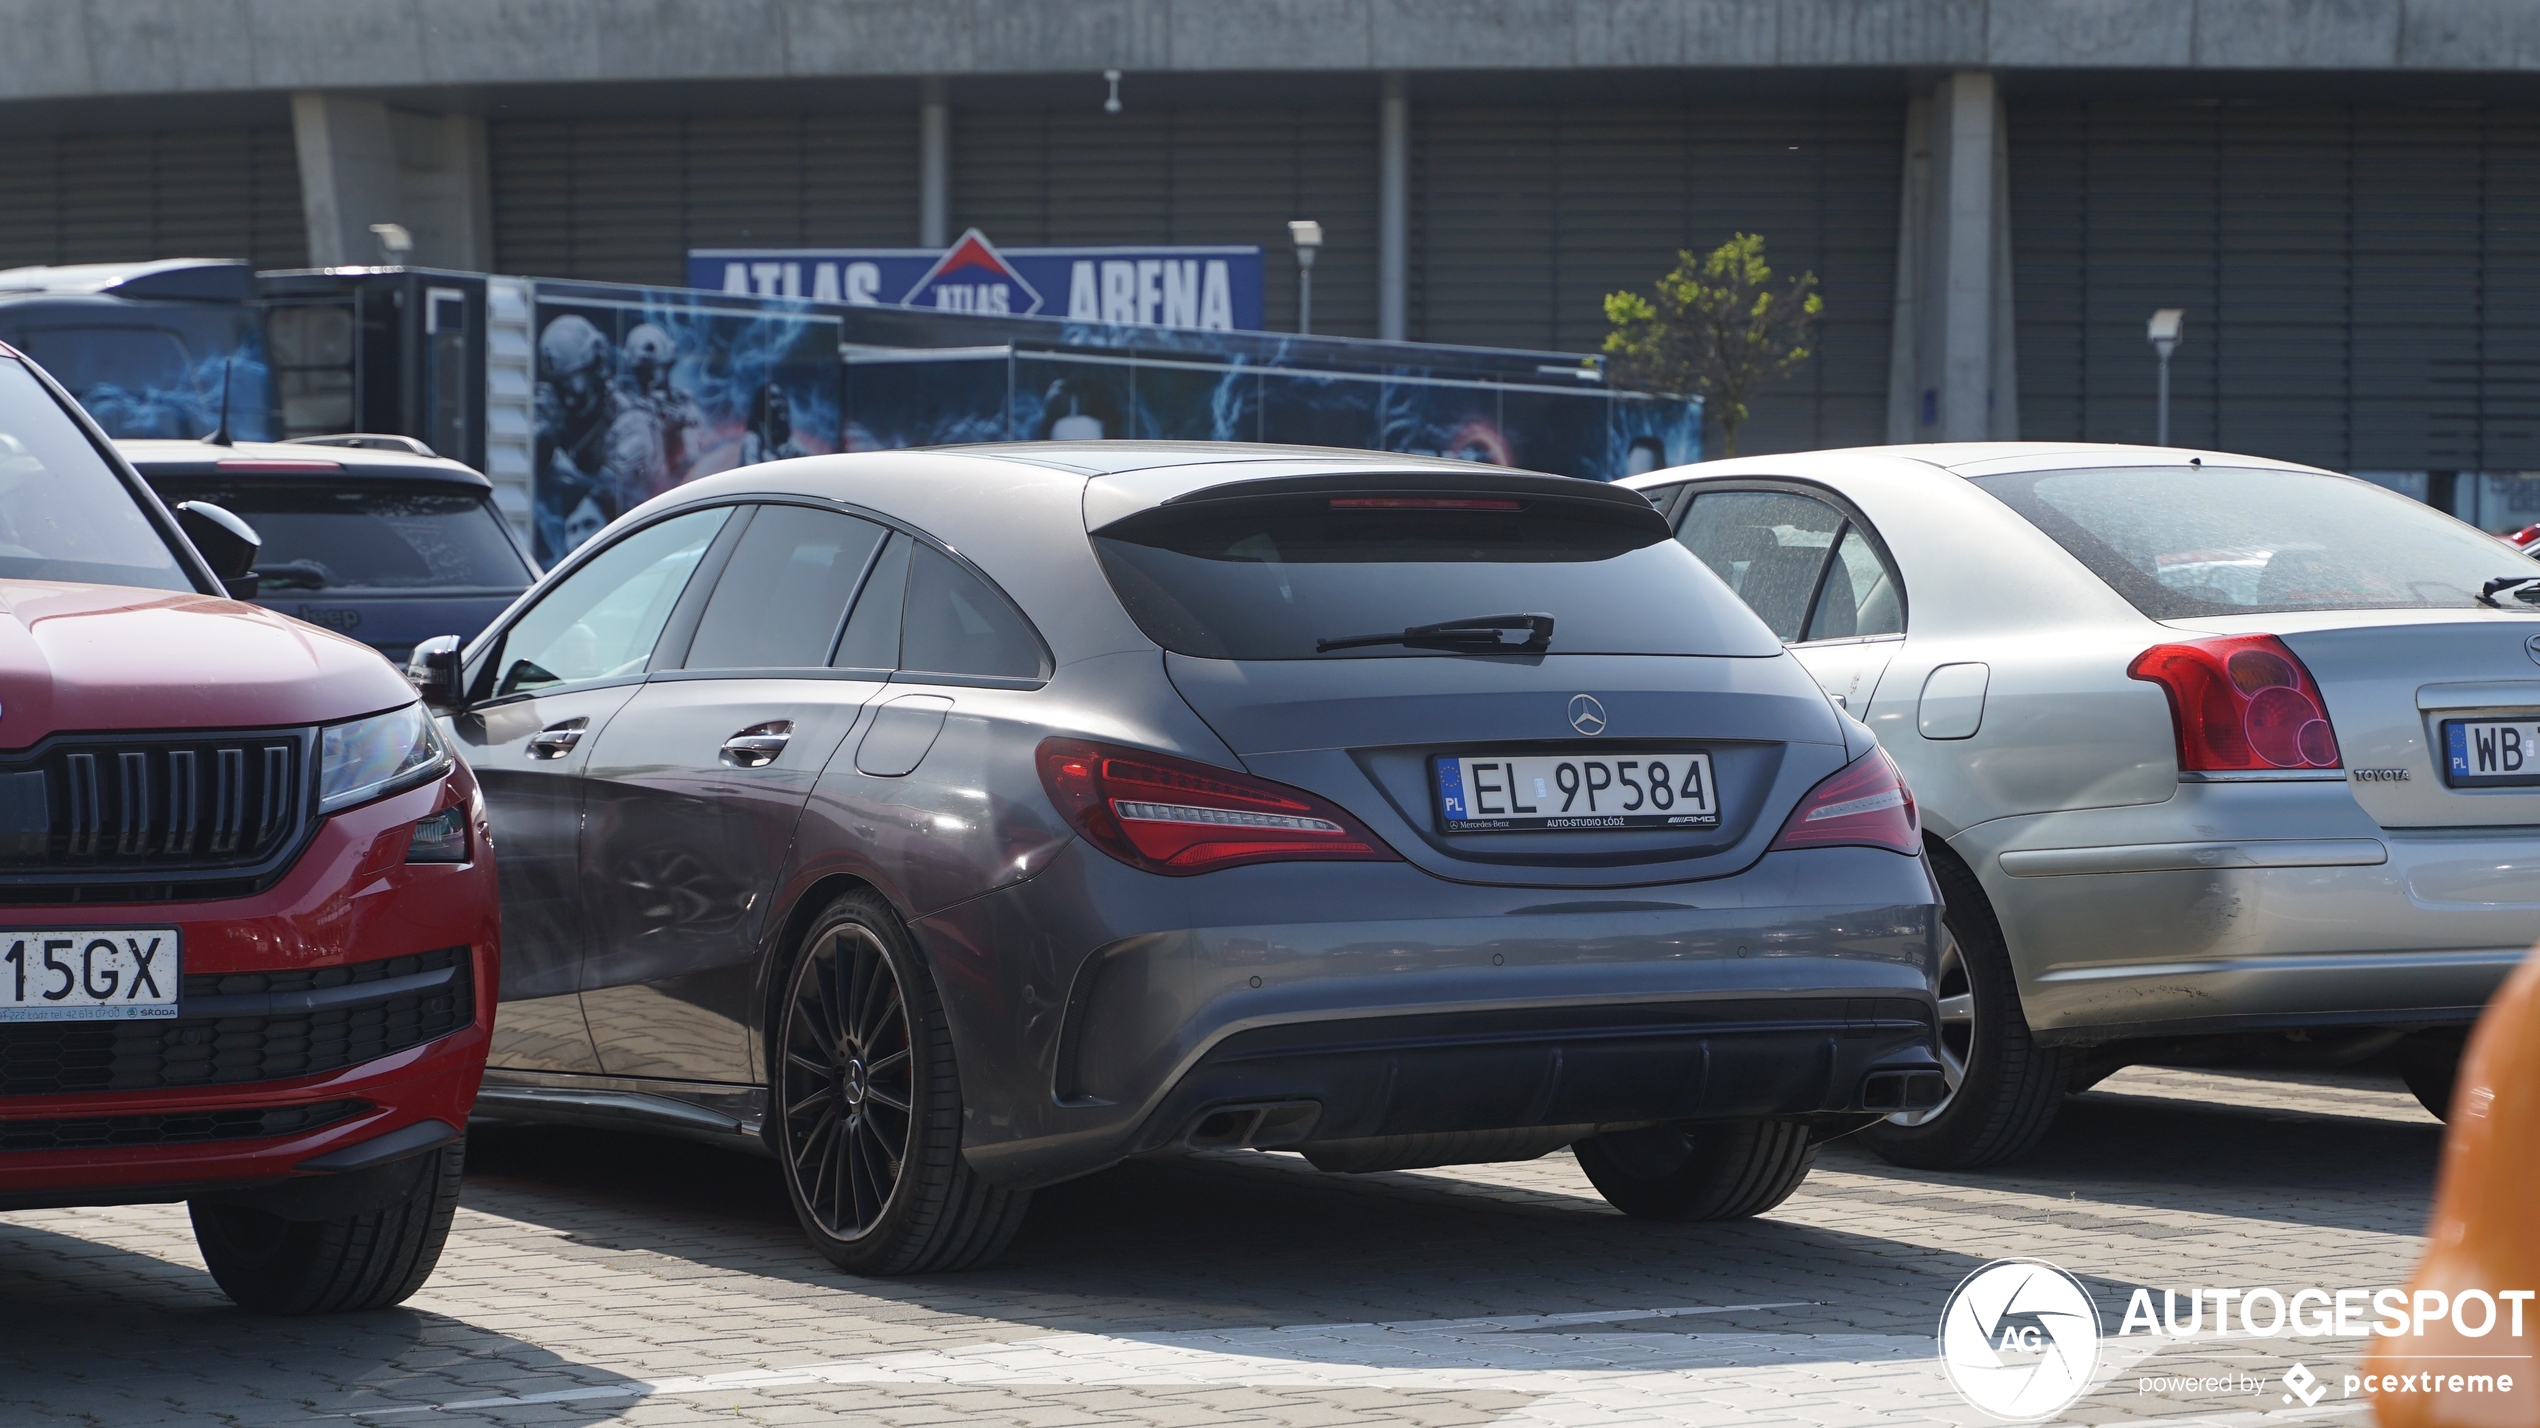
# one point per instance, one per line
(2019, 1339)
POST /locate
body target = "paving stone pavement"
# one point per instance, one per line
(617, 1279)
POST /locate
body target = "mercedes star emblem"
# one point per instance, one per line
(1588, 717)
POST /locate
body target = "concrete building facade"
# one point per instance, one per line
(1994, 194)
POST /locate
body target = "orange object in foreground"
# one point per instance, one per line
(2485, 1237)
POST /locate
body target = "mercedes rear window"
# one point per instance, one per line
(2184, 542)
(1280, 577)
(325, 534)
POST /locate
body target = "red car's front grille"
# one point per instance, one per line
(141, 817)
(248, 1026)
(184, 1128)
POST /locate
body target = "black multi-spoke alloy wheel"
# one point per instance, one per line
(2004, 1088)
(275, 1265)
(1716, 1170)
(868, 1105)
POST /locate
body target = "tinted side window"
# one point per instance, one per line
(955, 624)
(872, 640)
(1861, 594)
(780, 601)
(1769, 546)
(603, 619)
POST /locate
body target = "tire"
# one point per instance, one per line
(273, 1265)
(866, 1116)
(2004, 1089)
(2430, 1064)
(1721, 1170)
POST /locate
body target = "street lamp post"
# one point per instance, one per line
(2164, 335)
(1308, 235)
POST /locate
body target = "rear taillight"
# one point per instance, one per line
(1173, 816)
(1865, 806)
(2240, 703)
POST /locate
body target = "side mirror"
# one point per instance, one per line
(228, 545)
(433, 669)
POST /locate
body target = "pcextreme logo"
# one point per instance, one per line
(2019, 1339)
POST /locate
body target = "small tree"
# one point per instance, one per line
(1717, 328)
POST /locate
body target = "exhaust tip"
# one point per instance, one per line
(1891, 1091)
(1258, 1126)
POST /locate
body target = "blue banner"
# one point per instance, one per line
(1211, 289)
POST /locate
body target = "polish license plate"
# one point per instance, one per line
(2491, 753)
(1621, 788)
(88, 974)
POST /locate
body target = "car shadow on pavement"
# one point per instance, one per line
(2256, 1162)
(93, 1333)
(1237, 1238)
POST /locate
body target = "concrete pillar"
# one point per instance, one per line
(1952, 369)
(362, 162)
(934, 165)
(1393, 210)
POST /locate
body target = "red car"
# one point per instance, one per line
(247, 906)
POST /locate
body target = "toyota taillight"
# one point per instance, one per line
(2240, 703)
(1174, 816)
(1865, 805)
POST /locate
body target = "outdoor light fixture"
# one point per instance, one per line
(1111, 103)
(1308, 235)
(394, 242)
(2164, 335)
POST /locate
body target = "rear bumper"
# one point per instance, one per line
(1398, 1003)
(2252, 907)
(351, 899)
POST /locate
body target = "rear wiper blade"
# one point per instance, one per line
(2528, 593)
(1477, 635)
(296, 575)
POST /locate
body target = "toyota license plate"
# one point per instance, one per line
(1624, 788)
(88, 974)
(2491, 753)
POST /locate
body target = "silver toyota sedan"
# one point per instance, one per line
(957, 822)
(2218, 758)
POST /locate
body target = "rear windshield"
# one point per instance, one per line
(63, 513)
(2218, 540)
(368, 535)
(1268, 579)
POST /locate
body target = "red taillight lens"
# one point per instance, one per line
(2240, 702)
(1867, 805)
(1170, 815)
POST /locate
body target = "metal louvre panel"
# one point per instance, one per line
(2362, 285)
(1056, 178)
(1525, 218)
(620, 200)
(213, 193)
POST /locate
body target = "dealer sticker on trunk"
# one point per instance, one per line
(1618, 788)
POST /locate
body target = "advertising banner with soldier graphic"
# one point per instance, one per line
(641, 390)
(918, 398)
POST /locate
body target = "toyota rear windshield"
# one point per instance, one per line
(2185, 542)
(1290, 576)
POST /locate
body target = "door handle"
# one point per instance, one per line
(557, 740)
(758, 745)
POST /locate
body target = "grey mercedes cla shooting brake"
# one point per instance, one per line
(955, 822)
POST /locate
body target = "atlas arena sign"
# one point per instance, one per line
(1216, 289)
